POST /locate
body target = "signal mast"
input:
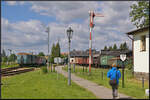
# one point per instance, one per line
(92, 15)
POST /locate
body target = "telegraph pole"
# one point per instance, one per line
(92, 15)
(48, 46)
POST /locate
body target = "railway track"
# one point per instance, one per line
(14, 70)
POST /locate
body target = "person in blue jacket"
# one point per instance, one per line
(114, 73)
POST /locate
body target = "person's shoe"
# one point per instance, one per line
(117, 97)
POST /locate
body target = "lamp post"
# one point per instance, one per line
(48, 47)
(69, 35)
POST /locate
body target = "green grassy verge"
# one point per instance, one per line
(132, 87)
(3, 65)
(36, 85)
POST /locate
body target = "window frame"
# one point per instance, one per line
(142, 43)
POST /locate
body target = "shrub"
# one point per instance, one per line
(130, 66)
(54, 65)
(44, 70)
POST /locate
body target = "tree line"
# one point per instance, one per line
(123, 46)
(10, 58)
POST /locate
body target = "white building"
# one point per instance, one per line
(140, 48)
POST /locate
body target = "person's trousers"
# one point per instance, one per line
(115, 90)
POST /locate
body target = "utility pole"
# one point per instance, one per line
(48, 47)
(92, 15)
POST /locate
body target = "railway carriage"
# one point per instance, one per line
(30, 59)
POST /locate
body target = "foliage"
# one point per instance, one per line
(115, 47)
(51, 59)
(129, 66)
(4, 59)
(140, 14)
(5, 65)
(57, 50)
(124, 45)
(3, 53)
(41, 54)
(121, 47)
(12, 57)
(110, 47)
(44, 70)
(105, 48)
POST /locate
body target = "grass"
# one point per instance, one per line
(36, 85)
(132, 87)
(4, 65)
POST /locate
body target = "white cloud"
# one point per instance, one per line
(12, 3)
(65, 11)
(107, 31)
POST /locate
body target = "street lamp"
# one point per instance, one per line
(69, 35)
(48, 47)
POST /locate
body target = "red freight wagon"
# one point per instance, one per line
(88, 61)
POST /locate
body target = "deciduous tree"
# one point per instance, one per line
(140, 14)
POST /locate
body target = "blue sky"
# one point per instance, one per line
(23, 13)
(24, 24)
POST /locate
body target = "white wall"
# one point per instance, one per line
(141, 58)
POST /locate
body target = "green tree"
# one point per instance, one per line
(115, 47)
(124, 46)
(110, 47)
(3, 53)
(53, 53)
(121, 46)
(57, 49)
(105, 48)
(4, 59)
(53, 50)
(41, 54)
(51, 59)
(140, 14)
(12, 57)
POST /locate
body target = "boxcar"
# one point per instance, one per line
(24, 59)
(118, 62)
(105, 60)
(29, 59)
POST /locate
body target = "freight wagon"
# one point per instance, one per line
(105, 61)
(30, 60)
(118, 62)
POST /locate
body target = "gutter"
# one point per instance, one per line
(132, 52)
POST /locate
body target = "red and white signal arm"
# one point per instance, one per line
(123, 57)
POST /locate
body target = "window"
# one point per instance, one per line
(143, 43)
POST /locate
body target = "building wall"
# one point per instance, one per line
(141, 58)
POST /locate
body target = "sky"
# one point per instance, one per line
(23, 24)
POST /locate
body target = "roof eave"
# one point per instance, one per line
(137, 30)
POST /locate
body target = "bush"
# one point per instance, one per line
(129, 66)
(44, 70)
(54, 65)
